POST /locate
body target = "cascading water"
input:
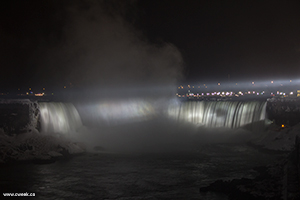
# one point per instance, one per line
(59, 118)
(115, 112)
(230, 114)
(64, 117)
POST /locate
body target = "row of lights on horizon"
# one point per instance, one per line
(30, 89)
(30, 92)
(253, 83)
(240, 93)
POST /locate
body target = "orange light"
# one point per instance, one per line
(282, 125)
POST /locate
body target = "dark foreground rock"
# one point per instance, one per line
(265, 186)
(280, 181)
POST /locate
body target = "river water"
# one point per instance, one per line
(156, 158)
(164, 175)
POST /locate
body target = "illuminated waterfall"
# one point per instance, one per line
(230, 114)
(59, 118)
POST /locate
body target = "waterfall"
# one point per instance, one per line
(59, 117)
(230, 114)
(64, 117)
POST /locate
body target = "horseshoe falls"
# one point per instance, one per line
(229, 114)
(59, 117)
(56, 117)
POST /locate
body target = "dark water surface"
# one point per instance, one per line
(135, 176)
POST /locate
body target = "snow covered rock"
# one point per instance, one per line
(278, 138)
(36, 147)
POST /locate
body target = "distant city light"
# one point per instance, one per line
(261, 88)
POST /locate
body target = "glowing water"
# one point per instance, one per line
(115, 112)
(230, 114)
(64, 117)
(59, 118)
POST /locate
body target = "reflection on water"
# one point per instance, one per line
(140, 176)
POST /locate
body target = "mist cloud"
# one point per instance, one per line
(99, 48)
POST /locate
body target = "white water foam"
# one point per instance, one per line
(230, 114)
(59, 118)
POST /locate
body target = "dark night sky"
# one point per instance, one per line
(89, 43)
(246, 39)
